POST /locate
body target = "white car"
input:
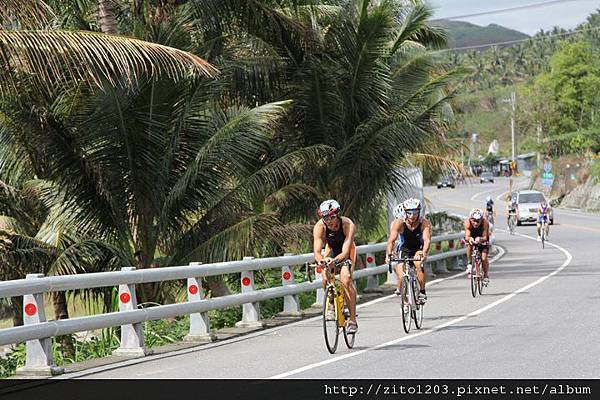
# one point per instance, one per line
(528, 202)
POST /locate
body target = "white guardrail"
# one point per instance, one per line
(37, 331)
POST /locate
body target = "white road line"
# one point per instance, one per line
(436, 328)
(233, 340)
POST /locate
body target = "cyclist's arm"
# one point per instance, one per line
(426, 238)
(349, 229)
(467, 231)
(394, 232)
(318, 241)
(486, 231)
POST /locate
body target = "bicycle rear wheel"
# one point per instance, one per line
(417, 313)
(331, 328)
(405, 305)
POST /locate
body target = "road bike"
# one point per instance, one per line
(335, 309)
(476, 271)
(512, 223)
(543, 228)
(411, 306)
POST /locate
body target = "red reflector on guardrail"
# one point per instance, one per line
(30, 309)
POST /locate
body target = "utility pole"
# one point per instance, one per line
(539, 143)
(513, 159)
(513, 103)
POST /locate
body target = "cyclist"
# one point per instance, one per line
(490, 214)
(415, 234)
(511, 210)
(337, 234)
(477, 231)
(543, 212)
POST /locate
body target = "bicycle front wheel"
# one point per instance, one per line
(417, 313)
(331, 328)
(474, 281)
(479, 277)
(349, 337)
(405, 304)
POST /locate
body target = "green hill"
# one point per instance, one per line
(463, 34)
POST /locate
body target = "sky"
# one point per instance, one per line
(563, 13)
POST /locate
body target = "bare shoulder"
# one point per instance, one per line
(466, 224)
(347, 221)
(319, 227)
(426, 223)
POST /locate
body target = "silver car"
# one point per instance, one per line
(528, 202)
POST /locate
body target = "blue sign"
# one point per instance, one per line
(547, 178)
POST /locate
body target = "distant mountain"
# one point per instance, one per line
(463, 34)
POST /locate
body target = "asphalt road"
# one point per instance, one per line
(539, 318)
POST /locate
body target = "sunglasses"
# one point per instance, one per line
(330, 218)
(411, 212)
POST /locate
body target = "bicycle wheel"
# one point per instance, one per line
(348, 337)
(417, 313)
(474, 280)
(331, 328)
(405, 304)
(479, 277)
(543, 233)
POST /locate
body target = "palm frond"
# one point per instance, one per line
(55, 57)
(29, 14)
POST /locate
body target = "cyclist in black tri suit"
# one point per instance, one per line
(477, 233)
(416, 239)
(336, 233)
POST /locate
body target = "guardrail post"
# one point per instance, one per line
(442, 266)
(39, 360)
(199, 322)
(372, 280)
(250, 311)
(291, 303)
(132, 335)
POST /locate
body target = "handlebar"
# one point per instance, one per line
(322, 264)
(400, 259)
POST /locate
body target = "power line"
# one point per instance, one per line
(507, 10)
(535, 38)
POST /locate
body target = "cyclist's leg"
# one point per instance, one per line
(485, 261)
(547, 225)
(421, 275)
(469, 259)
(421, 278)
(348, 284)
(399, 268)
(538, 227)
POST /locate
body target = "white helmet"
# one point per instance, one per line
(411, 204)
(476, 214)
(399, 211)
(328, 207)
(489, 199)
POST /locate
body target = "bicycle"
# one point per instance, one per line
(412, 309)
(476, 268)
(334, 300)
(543, 228)
(511, 223)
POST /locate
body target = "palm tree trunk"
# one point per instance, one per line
(61, 311)
(17, 310)
(217, 286)
(107, 17)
